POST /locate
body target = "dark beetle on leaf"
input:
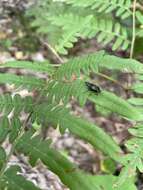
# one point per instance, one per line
(93, 88)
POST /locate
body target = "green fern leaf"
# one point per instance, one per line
(2, 157)
(12, 180)
(45, 66)
(88, 27)
(15, 129)
(22, 81)
(70, 34)
(12, 128)
(116, 104)
(96, 62)
(134, 160)
(4, 128)
(35, 148)
(137, 131)
(138, 87)
(75, 66)
(15, 103)
(64, 24)
(122, 64)
(38, 149)
(122, 8)
(66, 90)
(136, 101)
(58, 115)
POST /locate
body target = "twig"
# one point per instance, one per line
(133, 29)
(113, 80)
(53, 51)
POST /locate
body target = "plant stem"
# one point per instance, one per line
(113, 80)
(133, 29)
(53, 51)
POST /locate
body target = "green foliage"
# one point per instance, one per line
(64, 83)
(15, 103)
(32, 66)
(4, 128)
(67, 21)
(63, 24)
(38, 149)
(117, 105)
(2, 157)
(77, 65)
(58, 115)
(69, 174)
(19, 81)
(12, 180)
(88, 27)
(64, 91)
(122, 8)
(134, 159)
(58, 91)
(95, 63)
(136, 101)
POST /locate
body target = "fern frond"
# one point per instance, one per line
(35, 148)
(136, 101)
(134, 160)
(4, 128)
(95, 63)
(59, 115)
(122, 8)
(64, 91)
(122, 64)
(138, 85)
(15, 130)
(64, 25)
(139, 30)
(16, 104)
(108, 31)
(115, 104)
(75, 26)
(13, 180)
(44, 67)
(78, 65)
(2, 157)
(22, 81)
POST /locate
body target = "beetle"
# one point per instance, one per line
(93, 88)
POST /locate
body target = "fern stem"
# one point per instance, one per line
(113, 80)
(53, 51)
(133, 29)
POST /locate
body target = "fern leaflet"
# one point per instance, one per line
(22, 81)
(122, 8)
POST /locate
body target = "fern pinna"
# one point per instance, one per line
(65, 22)
(63, 83)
